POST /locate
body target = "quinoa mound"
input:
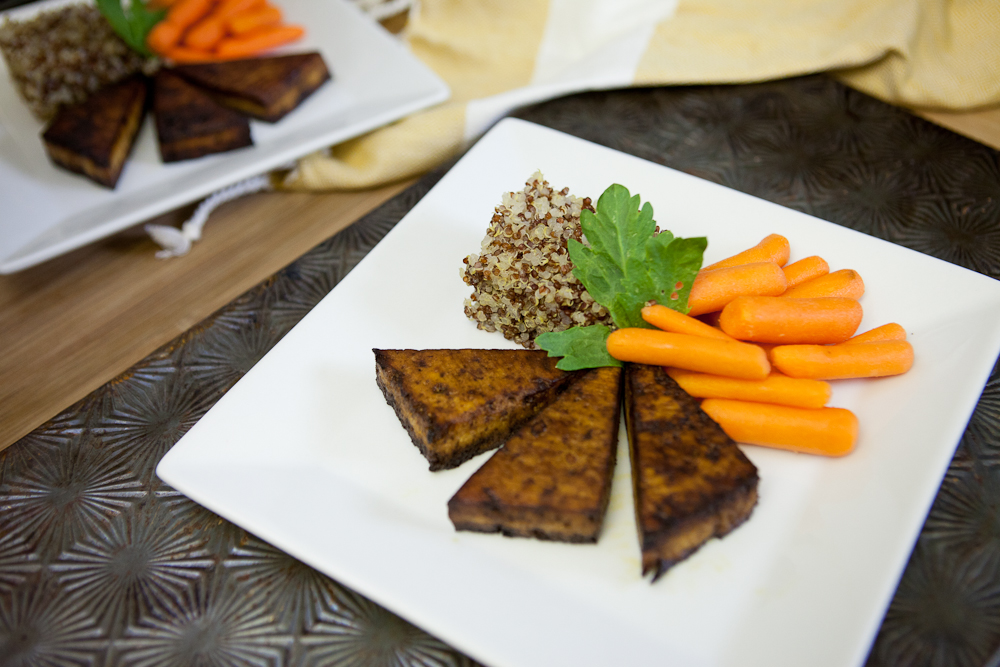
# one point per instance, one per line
(522, 278)
(63, 55)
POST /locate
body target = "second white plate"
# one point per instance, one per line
(47, 211)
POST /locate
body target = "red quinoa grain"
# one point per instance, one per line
(523, 285)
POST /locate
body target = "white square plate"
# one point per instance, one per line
(305, 453)
(47, 211)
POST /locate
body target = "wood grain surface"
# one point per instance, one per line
(75, 322)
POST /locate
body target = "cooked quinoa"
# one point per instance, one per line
(522, 278)
(63, 55)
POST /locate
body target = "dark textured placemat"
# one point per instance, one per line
(102, 564)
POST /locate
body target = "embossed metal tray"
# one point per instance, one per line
(304, 452)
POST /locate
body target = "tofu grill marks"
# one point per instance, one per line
(199, 109)
(690, 480)
(456, 404)
(191, 124)
(265, 88)
(94, 137)
(552, 478)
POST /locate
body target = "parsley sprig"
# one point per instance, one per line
(626, 265)
(132, 23)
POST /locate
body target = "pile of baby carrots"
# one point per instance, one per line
(762, 340)
(207, 30)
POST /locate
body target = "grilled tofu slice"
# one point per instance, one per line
(552, 478)
(458, 403)
(690, 480)
(191, 124)
(95, 137)
(266, 88)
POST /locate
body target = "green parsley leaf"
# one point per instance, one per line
(579, 347)
(626, 265)
(132, 24)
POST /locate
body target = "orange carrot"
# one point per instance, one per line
(206, 33)
(245, 22)
(229, 8)
(773, 248)
(694, 353)
(714, 288)
(805, 269)
(775, 388)
(185, 13)
(891, 331)
(839, 362)
(670, 320)
(774, 319)
(824, 431)
(846, 283)
(182, 54)
(163, 37)
(259, 40)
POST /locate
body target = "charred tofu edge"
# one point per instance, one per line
(424, 430)
(270, 102)
(667, 547)
(178, 137)
(498, 516)
(80, 156)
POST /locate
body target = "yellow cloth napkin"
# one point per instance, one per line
(497, 55)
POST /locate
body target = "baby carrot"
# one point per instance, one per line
(824, 431)
(206, 33)
(846, 283)
(775, 388)
(891, 331)
(183, 54)
(230, 8)
(258, 40)
(670, 320)
(185, 13)
(773, 248)
(694, 353)
(805, 269)
(773, 319)
(164, 36)
(840, 362)
(244, 22)
(714, 288)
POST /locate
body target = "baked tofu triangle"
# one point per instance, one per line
(266, 88)
(690, 480)
(552, 478)
(191, 124)
(459, 403)
(94, 137)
